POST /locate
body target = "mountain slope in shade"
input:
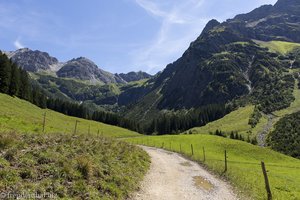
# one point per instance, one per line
(225, 63)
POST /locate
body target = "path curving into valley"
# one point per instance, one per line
(173, 177)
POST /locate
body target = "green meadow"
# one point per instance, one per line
(21, 116)
(281, 47)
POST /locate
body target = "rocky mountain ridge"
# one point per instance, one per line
(78, 68)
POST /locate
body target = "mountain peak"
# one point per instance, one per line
(210, 25)
(32, 61)
(22, 50)
(82, 60)
(84, 69)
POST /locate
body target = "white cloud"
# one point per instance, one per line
(154, 8)
(180, 23)
(18, 44)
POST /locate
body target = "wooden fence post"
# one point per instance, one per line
(163, 145)
(44, 122)
(75, 130)
(204, 155)
(192, 149)
(225, 161)
(266, 180)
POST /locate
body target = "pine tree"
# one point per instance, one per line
(236, 136)
(42, 101)
(36, 95)
(25, 90)
(231, 135)
(241, 137)
(14, 81)
(5, 73)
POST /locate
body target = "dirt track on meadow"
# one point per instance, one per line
(172, 177)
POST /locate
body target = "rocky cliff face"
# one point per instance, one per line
(33, 61)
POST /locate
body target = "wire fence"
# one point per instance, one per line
(202, 155)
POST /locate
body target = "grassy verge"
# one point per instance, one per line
(244, 170)
(21, 116)
(69, 166)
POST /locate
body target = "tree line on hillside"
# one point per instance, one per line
(174, 123)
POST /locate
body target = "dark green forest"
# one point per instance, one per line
(286, 136)
(174, 123)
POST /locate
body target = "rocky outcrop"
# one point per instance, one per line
(33, 61)
(84, 69)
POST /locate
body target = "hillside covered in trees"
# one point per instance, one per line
(286, 136)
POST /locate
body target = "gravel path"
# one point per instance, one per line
(172, 177)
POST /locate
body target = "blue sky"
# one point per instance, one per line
(118, 35)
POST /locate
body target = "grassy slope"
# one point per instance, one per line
(234, 121)
(77, 166)
(19, 115)
(278, 46)
(246, 177)
(70, 166)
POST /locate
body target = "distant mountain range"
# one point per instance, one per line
(79, 68)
